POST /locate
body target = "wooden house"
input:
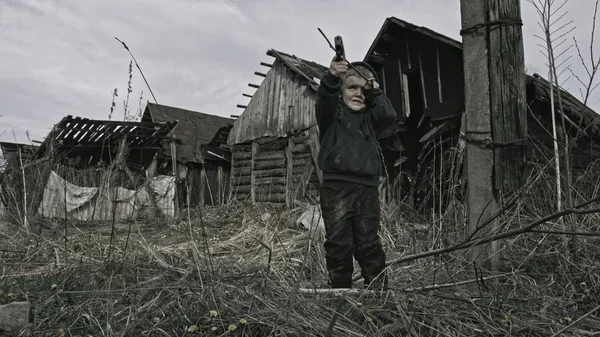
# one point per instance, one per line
(195, 157)
(274, 143)
(422, 73)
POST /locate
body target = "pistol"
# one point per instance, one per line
(339, 48)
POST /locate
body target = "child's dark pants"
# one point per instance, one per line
(351, 215)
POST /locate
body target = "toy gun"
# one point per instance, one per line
(339, 48)
(340, 51)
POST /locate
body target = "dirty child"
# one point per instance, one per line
(351, 113)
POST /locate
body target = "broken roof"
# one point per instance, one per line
(89, 141)
(412, 27)
(311, 71)
(194, 128)
(539, 86)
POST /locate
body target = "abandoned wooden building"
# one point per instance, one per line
(422, 73)
(274, 143)
(196, 159)
(84, 153)
(15, 153)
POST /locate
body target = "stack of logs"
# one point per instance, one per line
(275, 170)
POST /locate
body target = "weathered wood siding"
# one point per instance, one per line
(435, 67)
(276, 170)
(283, 103)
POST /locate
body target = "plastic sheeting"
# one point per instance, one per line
(101, 203)
(312, 219)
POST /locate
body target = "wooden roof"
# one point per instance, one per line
(311, 71)
(89, 141)
(194, 128)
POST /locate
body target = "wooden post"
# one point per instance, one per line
(494, 112)
(289, 192)
(202, 186)
(220, 183)
(252, 172)
(231, 175)
(175, 175)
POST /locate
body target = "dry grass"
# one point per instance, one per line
(246, 263)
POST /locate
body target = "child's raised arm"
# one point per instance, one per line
(328, 94)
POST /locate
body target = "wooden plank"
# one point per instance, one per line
(438, 71)
(242, 163)
(279, 172)
(270, 156)
(314, 149)
(290, 173)
(252, 184)
(507, 95)
(202, 186)
(239, 155)
(302, 147)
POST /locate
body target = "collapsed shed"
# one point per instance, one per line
(196, 158)
(93, 165)
(422, 74)
(274, 143)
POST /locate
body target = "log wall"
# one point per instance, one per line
(275, 170)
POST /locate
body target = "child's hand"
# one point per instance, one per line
(338, 68)
(371, 84)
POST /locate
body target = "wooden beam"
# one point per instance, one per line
(253, 172)
(494, 108)
(422, 76)
(439, 76)
(289, 195)
(387, 38)
(234, 116)
(246, 95)
(266, 64)
(253, 85)
(376, 59)
(260, 74)
(242, 106)
(407, 49)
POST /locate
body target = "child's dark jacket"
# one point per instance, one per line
(349, 147)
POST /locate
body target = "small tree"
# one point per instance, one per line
(555, 30)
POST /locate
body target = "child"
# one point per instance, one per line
(351, 113)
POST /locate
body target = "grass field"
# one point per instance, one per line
(237, 270)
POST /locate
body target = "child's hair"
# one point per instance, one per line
(362, 70)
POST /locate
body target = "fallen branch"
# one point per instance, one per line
(576, 321)
(357, 291)
(472, 243)
(453, 284)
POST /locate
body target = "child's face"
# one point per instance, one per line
(353, 92)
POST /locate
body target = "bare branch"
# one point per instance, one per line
(593, 32)
(581, 58)
(577, 320)
(560, 18)
(563, 35)
(577, 77)
(559, 7)
(563, 62)
(475, 242)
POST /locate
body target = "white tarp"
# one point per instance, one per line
(311, 219)
(97, 203)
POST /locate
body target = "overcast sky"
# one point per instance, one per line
(60, 57)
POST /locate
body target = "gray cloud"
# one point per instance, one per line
(61, 58)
